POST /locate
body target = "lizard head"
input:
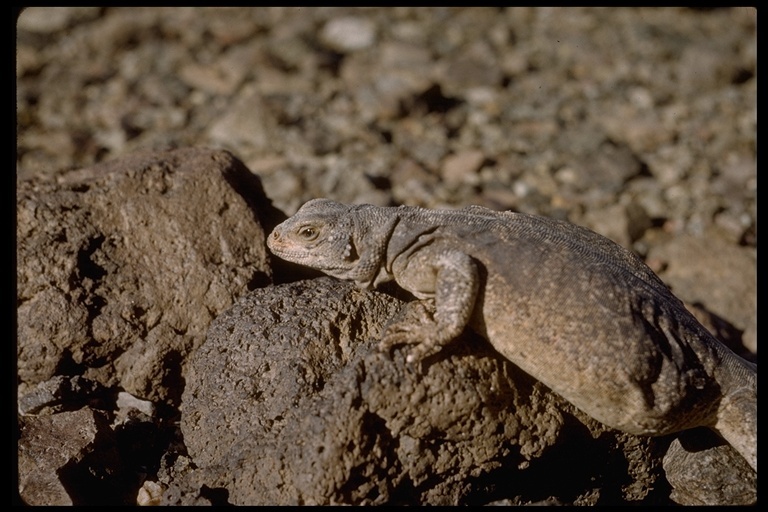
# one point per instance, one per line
(334, 238)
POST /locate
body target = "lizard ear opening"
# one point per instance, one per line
(350, 252)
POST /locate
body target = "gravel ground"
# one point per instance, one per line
(590, 114)
(639, 123)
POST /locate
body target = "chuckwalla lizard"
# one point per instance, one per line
(571, 308)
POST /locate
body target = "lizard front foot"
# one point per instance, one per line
(416, 326)
(421, 337)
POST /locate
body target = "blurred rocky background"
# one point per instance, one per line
(157, 146)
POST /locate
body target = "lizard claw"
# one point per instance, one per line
(420, 352)
(395, 337)
(402, 334)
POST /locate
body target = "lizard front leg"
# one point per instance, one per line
(451, 279)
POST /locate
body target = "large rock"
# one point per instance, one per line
(122, 266)
(290, 402)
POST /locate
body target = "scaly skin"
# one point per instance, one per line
(571, 308)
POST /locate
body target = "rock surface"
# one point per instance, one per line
(127, 250)
(46, 446)
(704, 471)
(123, 266)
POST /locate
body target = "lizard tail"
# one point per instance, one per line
(737, 414)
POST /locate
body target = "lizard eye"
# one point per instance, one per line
(308, 233)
